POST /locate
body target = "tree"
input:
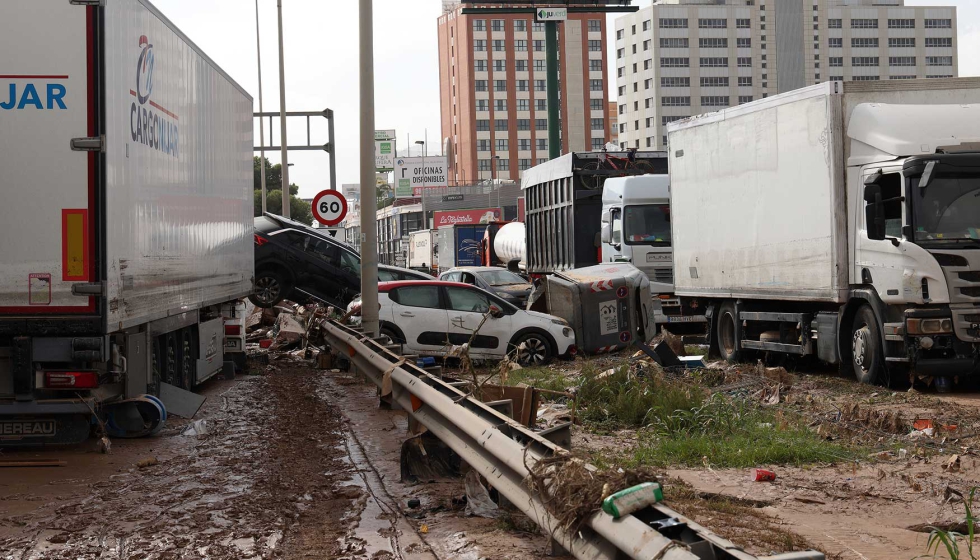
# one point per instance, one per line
(298, 210)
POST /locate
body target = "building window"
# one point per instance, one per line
(498, 45)
(480, 85)
(901, 24)
(622, 90)
(542, 85)
(835, 42)
(597, 144)
(595, 25)
(500, 105)
(939, 61)
(673, 23)
(647, 82)
(714, 62)
(674, 43)
(866, 78)
(901, 77)
(480, 65)
(939, 24)
(537, 27)
(520, 25)
(743, 23)
(524, 164)
(594, 46)
(595, 66)
(745, 43)
(479, 25)
(675, 101)
(647, 64)
(864, 43)
(500, 125)
(675, 82)
(502, 145)
(714, 82)
(523, 105)
(864, 24)
(482, 104)
(742, 99)
(598, 124)
(503, 164)
(837, 78)
(745, 81)
(901, 61)
(938, 42)
(539, 66)
(620, 53)
(479, 45)
(745, 62)
(622, 128)
(541, 124)
(712, 23)
(671, 62)
(835, 61)
(619, 34)
(634, 30)
(622, 109)
(646, 25)
(940, 76)
(835, 23)
(500, 85)
(499, 65)
(595, 85)
(520, 45)
(540, 105)
(864, 61)
(482, 125)
(646, 44)
(497, 25)
(667, 120)
(539, 45)
(524, 144)
(522, 85)
(484, 164)
(542, 144)
(714, 101)
(523, 124)
(483, 145)
(711, 43)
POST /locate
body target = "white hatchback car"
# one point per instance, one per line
(429, 317)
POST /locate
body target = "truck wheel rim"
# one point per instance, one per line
(267, 289)
(860, 346)
(534, 351)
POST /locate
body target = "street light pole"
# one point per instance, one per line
(369, 231)
(282, 121)
(258, 49)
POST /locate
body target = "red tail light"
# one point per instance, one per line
(260, 241)
(71, 379)
(233, 330)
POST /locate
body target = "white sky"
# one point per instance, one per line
(321, 40)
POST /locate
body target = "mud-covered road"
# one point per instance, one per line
(298, 463)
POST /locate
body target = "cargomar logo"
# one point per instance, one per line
(155, 126)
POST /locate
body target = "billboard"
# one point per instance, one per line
(417, 173)
(465, 217)
(384, 155)
(351, 191)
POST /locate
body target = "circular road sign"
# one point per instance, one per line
(329, 207)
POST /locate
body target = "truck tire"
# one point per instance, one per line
(867, 351)
(727, 333)
(270, 288)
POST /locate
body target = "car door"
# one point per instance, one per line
(336, 272)
(418, 313)
(467, 308)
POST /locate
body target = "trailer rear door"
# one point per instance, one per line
(48, 96)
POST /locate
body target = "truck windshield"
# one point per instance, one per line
(648, 224)
(948, 209)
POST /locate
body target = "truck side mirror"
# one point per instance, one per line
(606, 235)
(874, 212)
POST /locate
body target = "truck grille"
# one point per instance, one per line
(972, 318)
(665, 275)
(971, 292)
(970, 276)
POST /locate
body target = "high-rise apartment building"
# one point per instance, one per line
(679, 58)
(493, 81)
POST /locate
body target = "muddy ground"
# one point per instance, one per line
(296, 463)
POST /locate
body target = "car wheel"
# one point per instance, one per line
(270, 289)
(727, 333)
(866, 350)
(536, 350)
(394, 336)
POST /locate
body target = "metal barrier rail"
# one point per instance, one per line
(495, 445)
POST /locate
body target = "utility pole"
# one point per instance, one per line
(369, 222)
(286, 198)
(258, 49)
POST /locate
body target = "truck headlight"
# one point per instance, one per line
(928, 326)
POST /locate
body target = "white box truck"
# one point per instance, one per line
(840, 220)
(127, 217)
(423, 250)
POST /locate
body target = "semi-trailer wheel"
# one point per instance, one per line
(187, 359)
(726, 332)
(867, 356)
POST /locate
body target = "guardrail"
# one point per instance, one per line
(501, 449)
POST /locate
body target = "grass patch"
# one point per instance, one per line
(683, 424)
(542, 378)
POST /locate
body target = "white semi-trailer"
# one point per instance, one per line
(840, 220)
(126, 219)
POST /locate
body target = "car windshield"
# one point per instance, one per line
(948, 209)
(648, 224)
(501, 277)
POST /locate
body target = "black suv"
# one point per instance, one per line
(294, 261)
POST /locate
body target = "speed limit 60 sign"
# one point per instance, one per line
(329, 207)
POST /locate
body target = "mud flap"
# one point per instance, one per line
(179, 401)
(133, 418)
